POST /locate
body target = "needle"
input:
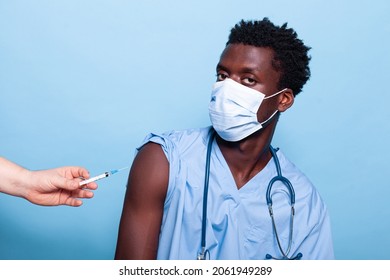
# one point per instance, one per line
(101, 176)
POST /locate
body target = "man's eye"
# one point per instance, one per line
(221, 77)
(248, 81)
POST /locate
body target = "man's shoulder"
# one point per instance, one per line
(187, 137)
(187, 133)
(181, 140)
(303, 186)
(291, 171)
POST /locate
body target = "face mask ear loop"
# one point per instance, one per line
(269, 117)
(275, 94)
(270, 96)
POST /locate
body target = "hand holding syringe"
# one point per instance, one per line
(101, 176)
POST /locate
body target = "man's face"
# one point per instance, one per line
(252, 67)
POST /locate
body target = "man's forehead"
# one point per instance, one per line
(247, 56)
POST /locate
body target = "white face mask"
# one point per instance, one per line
(233, 110)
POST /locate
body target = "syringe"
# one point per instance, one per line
(101, 176)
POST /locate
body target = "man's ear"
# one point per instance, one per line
(286, 100)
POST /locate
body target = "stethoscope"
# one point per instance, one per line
(204, 252)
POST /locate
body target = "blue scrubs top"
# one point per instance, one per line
(238, 222)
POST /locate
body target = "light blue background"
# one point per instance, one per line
(82, 83)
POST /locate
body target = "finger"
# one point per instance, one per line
(74, 184)
(71, 184)
(73, 202)
(77, 172)
(91, 186)
(82, 193)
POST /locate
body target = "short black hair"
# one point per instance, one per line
(290, 54)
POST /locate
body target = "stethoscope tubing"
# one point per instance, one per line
(202, 255)
(204, 252)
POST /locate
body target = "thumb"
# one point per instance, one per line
(64, 183)
(71, 184)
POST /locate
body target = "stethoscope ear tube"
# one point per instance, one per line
(287, 183)
(280, 178)
(203, 253)
(290, 188)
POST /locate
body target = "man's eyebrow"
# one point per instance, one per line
(221, 67)
(247, 69)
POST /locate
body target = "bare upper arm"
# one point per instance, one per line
(143, 205)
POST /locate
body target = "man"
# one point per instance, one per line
(261, 70)
(51, 187)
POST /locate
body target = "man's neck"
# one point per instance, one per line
(249, 156)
